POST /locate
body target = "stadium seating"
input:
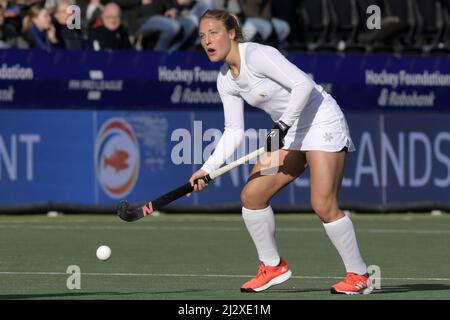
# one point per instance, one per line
(345, 25)
(446, 34)
(315, 19)
(407, 26)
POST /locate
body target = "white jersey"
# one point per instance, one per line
(268, 81)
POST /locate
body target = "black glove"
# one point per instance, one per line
(274, 140)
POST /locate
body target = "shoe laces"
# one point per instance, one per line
(352, 278)
(262, 270)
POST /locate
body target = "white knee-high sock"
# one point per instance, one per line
(261, 226)
(342, 234)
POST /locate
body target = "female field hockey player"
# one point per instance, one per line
(315, 133)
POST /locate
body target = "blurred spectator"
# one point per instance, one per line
(158, 16)
(7, 31)
(93, 12)
(259, 21)
(3, 43)
(11, 26)
(67, 38)
(39, 28)
(189, 15)
(111, 35)
(231, 6)
(50, 5)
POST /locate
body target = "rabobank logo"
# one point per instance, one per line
(117, 158)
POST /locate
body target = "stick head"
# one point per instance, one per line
(128, 214)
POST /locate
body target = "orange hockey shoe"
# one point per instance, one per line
(267, 277)
(353, 284)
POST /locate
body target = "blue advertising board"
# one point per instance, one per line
(45, 155)
(95, 127)
(149, 80)
(100, 157)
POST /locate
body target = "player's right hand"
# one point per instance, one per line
(201, 184)
(274, 139)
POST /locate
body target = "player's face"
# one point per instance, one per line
(215, 39)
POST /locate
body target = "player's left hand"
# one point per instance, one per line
(274, 140)
(200, 184)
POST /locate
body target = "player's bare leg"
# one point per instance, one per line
(266, 179)
(327, 170)
(270, 176)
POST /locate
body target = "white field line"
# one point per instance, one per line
(196, 275)
(25, 225)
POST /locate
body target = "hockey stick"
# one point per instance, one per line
(132, 214)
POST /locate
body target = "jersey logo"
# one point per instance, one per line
(263, 95)
(328, 136)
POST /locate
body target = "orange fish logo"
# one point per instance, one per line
(118, 160)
